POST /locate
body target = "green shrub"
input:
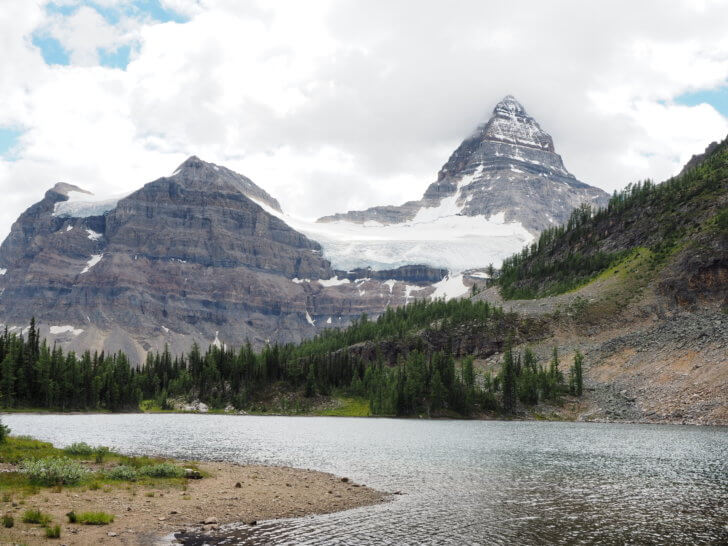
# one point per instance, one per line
(71, 517)
(53, 532)
(8, 521)
(94, 518)
(54, 471)
(162, 470)
(79, 448)
(100, 454)
(36, 516)
(123, 472)
(4, 432)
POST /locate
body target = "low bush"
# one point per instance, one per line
(94, 518)
(123, 472)
(71, 517)
(100, 454)
(53, 532)
(79, 448)
(162, 470)
(36, 516)
(4, 432)
(54, 471)
(8, 521)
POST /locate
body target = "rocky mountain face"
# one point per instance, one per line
(507, 168)
(192, 257)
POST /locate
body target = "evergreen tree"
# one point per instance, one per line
(508, 374)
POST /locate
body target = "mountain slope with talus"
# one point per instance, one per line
(502, 186)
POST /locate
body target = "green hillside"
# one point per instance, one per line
(690, 209)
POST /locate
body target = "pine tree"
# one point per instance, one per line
(508, 374)
(578, 374)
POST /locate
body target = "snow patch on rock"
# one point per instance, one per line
(450, 287)
(309, 319)
(67, 328)
(333, 281)
(96, 258)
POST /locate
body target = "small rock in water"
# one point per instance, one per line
(252, 522)
(344, 480)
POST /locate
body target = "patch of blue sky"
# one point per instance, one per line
(55, 54)
(8, 141)
(51, 49)
(717, 98)
(150, 8)
(118, 58)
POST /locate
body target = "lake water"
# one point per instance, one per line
(464, 482)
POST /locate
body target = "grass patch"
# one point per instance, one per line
(94, 518)
(79, 448)
(53, 532)
(8, 521)
(123, 472)
(162, 470)
(36, 516)
(349, 407)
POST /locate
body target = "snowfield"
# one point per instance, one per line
(437, 236)
(83, 205)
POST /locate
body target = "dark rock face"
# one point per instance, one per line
(507, 166)
(201, 215)
(416, 274)
(186, 258)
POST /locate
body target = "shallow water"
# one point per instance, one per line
(464, 482)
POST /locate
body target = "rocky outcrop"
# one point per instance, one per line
(698, 159)
(415, 274)
(507, 168)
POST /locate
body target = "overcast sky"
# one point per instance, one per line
(337, 105)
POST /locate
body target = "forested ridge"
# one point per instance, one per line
(422, 378)
(656, 216)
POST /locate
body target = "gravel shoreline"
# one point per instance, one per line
(231, 493)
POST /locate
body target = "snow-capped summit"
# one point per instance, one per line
(508, 166)
(510, 123)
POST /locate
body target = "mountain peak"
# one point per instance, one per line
(511, 124)
(64, 188)
(509, 105)
(193, 172)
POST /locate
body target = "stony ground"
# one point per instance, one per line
(232, 493)
(647, 359)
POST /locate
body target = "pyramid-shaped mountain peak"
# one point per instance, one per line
(509, 105)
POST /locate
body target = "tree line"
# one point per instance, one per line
(421, 380)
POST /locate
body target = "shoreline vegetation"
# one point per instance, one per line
(83, 495)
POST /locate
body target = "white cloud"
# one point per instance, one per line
(338, 105)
